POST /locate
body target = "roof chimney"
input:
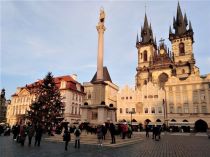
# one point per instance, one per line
(74, 76)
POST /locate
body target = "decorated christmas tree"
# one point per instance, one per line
(47, 109)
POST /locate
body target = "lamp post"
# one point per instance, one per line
(131, 112)
(165, 108)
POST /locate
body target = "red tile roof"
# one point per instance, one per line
(71, 84)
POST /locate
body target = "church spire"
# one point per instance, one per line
(145, 22)
(185, 19)
(137, 39)
(190, 26)
(170, 31)
(146, 32)
(180, 24)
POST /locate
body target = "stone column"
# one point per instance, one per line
(100, 28)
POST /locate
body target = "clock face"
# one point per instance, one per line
(162, 51)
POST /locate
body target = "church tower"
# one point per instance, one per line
(146, 51)
(182, 45)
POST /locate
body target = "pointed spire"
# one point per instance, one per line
(155, 41)
(174, 23)
(179, 16)
(170, 31)
(180, 23)
(190, 26)
(145, 22)
(185, 19)
(137, 39)
(151, 32)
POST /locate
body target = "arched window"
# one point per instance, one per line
(181, 49)
(145, 56)
(145, 82)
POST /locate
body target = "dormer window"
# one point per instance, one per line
(63, 84)
(181, 49)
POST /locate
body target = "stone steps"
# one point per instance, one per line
(91, 139)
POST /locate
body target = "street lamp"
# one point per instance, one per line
(165, 109)
(131, 112)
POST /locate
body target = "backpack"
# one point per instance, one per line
(77, 132)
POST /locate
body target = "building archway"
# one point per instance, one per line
(173, 120)
(147, 121)
(185, 120)
(158, 120)
(201, 125)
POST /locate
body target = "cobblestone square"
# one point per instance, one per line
(168, 146)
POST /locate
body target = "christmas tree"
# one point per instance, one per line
(47, 109)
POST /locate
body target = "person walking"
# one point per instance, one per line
(15, 131)
(30, 132)
(104, 130)
(112, 132)
(38, 135)
(77, 133)
(147, 131)
(67, 136)
(100, 135)
(23, 134)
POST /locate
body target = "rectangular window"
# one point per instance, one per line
(126, 110)
(185, 98)
(203, 109)
(195, 97)
(186, 110)
(179, 109)
(133, 110)
(94, 115)
(195, 109)
(202, 96)
(75, 110)
(121, 111)
(153, 110)
(146, 110)
(72, 110)
(160, 110)
(171, 109)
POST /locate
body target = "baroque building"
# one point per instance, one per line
(168, 85)
(71, 91)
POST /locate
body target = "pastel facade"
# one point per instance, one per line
(71, 91)
(168, 86)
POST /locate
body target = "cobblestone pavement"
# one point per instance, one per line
(168, 146)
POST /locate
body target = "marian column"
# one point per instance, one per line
(100, 28)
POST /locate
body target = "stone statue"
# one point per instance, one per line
(3, 93)
(102, 15)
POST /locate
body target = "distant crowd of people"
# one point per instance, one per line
(156, 131)
(21, 131)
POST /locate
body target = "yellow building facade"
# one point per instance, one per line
(169, 87)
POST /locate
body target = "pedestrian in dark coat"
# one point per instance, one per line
(112, 132)
(23, 134)
(104, 130)
(30, 132)
(147, 131)
(100, 135)
(67, 136)
(15, 131)
(38, 135)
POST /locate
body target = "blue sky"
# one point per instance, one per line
(61, 37)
